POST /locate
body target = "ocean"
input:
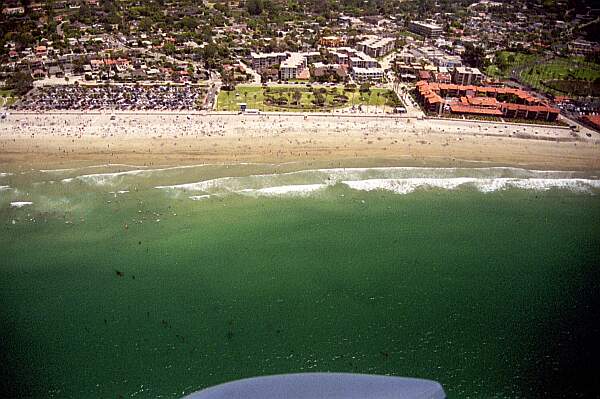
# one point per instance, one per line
(154, 282)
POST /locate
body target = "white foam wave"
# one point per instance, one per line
(4, 188)
(108, 165)
(20, 204)
(107, 178)
(390, 176)
(299, 189)
(201, 185)
(405, 186)
(199, 197)
(5, 174)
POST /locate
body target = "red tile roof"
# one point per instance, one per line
(483, 101)
(431, 93)
(594, 120)
(466, 109)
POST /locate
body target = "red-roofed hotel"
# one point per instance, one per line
(483, 100)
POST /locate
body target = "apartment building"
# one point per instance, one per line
(292, 66)
(262, 61)
(583, 47)
(376, 46)
(467, 76)
(367, 74)
(426, 29)
(354, 58)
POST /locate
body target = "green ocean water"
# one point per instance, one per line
(147, 293)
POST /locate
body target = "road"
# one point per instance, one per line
(210, 102)
(256, 79)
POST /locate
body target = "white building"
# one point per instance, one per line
(367, 74)
(292, 65)
(354, 58)
(426, 29)
(467, 76)
(376, 46)
(262, 61)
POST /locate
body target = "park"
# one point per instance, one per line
(307, 98)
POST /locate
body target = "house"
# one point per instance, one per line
(41, 51)
(13, 11)
(38, 74)
(332, 41)
(139, 74)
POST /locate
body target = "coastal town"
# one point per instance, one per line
(486, 60)
(299, 199)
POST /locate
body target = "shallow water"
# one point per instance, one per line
(110, 286)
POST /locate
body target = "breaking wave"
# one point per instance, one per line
(400, 180)
(405, 186)
(20, 204)
(102, 179)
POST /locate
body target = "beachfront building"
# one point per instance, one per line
(354, 58)
(467, 76)
(292, 66)
(320, 70)
(332, 41)
(583, 47)
(367, 74)
(486, 101)
(376, 46)
(426, 29)
(262, 61)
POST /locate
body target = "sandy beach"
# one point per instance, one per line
(50, 140)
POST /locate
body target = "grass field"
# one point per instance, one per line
(506, 60)
(559, 76)
(7, 98)
(564, 76)
(283, 98)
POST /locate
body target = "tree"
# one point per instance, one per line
(169, 48)
(297, 96)
(254, 7)
(475, 56)
(20, 82)
(319, 99)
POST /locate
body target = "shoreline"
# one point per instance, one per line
(63, 138)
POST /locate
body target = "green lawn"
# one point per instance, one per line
(558, 76)
(564, 76)
(505, 61)
(257, 97)
(7, 98)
